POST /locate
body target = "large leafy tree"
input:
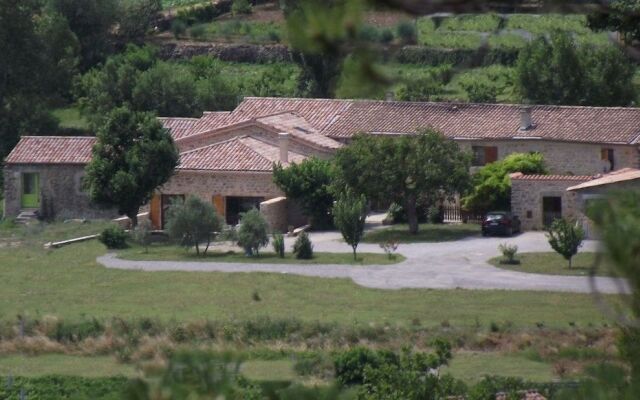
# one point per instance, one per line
(492, 185)
(621, 16)
(425, 166)
(558, 71)
(133, 155)
(309, 184)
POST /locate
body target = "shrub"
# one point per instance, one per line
(509, 253)
(198, 32)
(435, 215)
(114, 237)
(350, 365)
(349, 214)
(241, 7)
(390, 247)
(142, 234)
(480, 91)
(302, 248)
(406, 32)
(178, 28)
(253, 232)
(386, 36)
(278, 244)
(369, 33)
(565, 237)
(192, 222)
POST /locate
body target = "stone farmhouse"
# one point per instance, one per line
(227, 157)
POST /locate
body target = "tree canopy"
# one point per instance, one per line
(558, 71)
(426, 167)
(133, 155)
(491, 189)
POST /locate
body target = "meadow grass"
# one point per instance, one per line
(69, 283)
(62, 364)
(554, 264)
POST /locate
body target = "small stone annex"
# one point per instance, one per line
(227, 157)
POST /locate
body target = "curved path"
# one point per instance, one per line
(446, 265)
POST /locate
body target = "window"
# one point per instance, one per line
(606, 155)
(483, 155)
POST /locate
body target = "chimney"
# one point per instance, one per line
(525, 118)
(283, 143)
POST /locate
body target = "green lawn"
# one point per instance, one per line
(60, 364)
(271, 370)
(472, 366)
(69, 283)
(553, 264)
(174, 253)
(426, 233)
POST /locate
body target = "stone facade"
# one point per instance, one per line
(564, 157)
(207, 184)
(61, 194)
(275, 213)
(527, 200)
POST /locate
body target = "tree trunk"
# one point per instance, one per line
(354, 252)
(570, 258)
(197, 248)
(208, 243)
(412, 213)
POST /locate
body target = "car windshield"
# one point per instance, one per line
(493, 217)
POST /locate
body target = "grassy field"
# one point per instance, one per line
(60, 364)
(554, 264)
(70, 118)
(69, 283)
(426, 233)
(472, 366)
(174, 253)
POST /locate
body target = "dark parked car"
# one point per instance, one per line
(500, 223)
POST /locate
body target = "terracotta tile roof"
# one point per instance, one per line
(179, 127)
(299, 128)
(211, 120)
(519, 176)
(237, 154)
(344, 118)
(52, 150)
(622, 175)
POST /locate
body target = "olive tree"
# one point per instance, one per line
(192, 222)
(253, 232)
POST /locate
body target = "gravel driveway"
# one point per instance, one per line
(446, 265)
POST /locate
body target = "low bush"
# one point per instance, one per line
(114, 237)
(241, 7)
(509, 253)
(178, 28)
(303, 248)
(253, 232)
(198, 32)
(407, 32)
(278, 244)
(350, 365)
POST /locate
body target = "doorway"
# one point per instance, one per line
(237, 205)
(30, 197)
(551, 209)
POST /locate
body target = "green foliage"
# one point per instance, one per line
(192, 222)
(621, 16)
(114, 237)
(565, 237)
(137, 18)
(492, 184)
(253, 232)
(142, 234)
(406, 31)
(178, 28)
(481, 91)
(350, 365)
(138, 80)
(452, 40)
(556, 71)
(424, 168)
(410, 377)
(435, 214)
(241, 7)
(133, 155)
(303, 248)
(349, 214)
(308, 183)
(488, 22)
(63, 387)
(545, 23)
(278, 244)
(509, 253)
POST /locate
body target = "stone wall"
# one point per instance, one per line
(61, 195)
(564, 157)
(208, 184)
(246, 53)
(275, 212)
(526, 200)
